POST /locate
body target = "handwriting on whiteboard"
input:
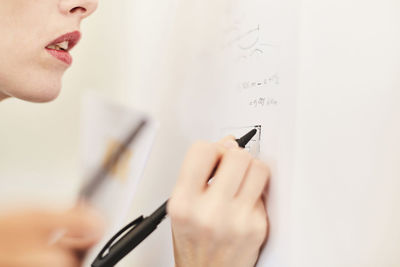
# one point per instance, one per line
(269, 80)
(260, 102)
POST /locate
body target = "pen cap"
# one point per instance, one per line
(244, 140)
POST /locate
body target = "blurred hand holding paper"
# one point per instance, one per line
(105, 127)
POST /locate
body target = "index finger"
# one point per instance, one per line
(197, 167)
(229, 141)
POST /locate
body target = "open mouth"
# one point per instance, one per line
(60, 47)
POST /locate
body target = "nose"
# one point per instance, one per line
(78, 8)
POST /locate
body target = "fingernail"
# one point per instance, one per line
(230, 144)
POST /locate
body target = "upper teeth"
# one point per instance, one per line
(59, 46)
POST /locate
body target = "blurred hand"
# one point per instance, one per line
(223, 223)
(25, 236)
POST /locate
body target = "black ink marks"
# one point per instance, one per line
(272, 80)
(260, 102)
(249, 43)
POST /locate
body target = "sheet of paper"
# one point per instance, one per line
(104, 127)
(245, 76)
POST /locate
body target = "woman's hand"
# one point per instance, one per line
(25, 237)
(222, 223)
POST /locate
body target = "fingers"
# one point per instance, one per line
(79, 223)
(234, 165)
(229, 217)
(255, 182)
(77, 243)
(42, 258)
(32, 231)
(228, 142)
(261, 210)
(59, 258)
(231, 172)
(198, 165)
(84, 222)
(84, 228)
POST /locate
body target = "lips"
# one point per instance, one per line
(60, 47)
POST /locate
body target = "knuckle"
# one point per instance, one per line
(261, 166)
(258, 230)
(251, 227)
(238, 226)
(203, 148)
(207, 225)
(240, 155)
(239, 230)
(199, 144)
(61, 258)
(226, 138)
(178, 210)
(230, 137)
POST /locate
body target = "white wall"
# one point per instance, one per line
(347, 185)
(350, 65)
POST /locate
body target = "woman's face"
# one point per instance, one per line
(36, 36)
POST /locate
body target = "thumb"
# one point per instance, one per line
(82, 223)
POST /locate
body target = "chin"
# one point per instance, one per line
(33, 82)
(47, 95)
(40, 86)
(40, 93)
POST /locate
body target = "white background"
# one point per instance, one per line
(346, 196)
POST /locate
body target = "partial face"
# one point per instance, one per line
(36, 36)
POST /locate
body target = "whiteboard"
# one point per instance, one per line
(329, 130)
(241, 73)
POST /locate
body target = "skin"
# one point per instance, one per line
(25, 237)
(221, 223)
(27, 70)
